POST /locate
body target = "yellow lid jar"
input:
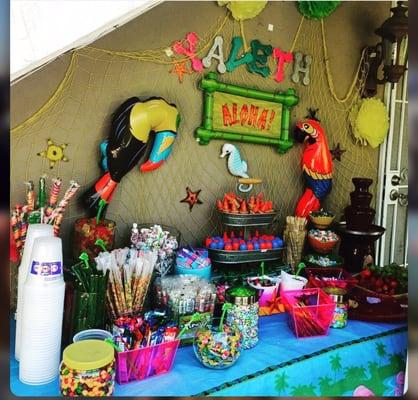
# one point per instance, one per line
(88, 369)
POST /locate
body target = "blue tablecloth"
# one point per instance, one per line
(362, 356)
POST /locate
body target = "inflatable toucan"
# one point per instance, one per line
(132, 127)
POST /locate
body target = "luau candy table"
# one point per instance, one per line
(361, 359)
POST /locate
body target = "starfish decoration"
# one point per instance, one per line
(54, 153)
(192, 198)
(337, 152)
(180, 69)
(275, 304)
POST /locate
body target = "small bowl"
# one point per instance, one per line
(321, 219)
(322, 247)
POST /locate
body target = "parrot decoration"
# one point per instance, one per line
(316, 164)
(128, 142)
(236, 165)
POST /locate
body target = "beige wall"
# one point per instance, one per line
(100, 83)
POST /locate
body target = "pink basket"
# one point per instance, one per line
(136, 365)
(308, 320)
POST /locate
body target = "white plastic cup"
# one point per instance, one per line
(34, 231)
(42, 314)
(291, 282)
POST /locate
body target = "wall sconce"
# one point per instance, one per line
(391, 53)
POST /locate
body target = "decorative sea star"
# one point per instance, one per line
(337, 152)
(180, 69)
(54, 153)
(192, 198)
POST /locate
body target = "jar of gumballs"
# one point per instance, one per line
(243, 314)
(88, 369)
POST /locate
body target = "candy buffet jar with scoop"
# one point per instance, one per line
(243, 315)
(87, 231)
(218, 349)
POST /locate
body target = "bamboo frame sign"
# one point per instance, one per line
(246, 115)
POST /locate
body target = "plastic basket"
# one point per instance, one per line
(308, 320)
(139, 364)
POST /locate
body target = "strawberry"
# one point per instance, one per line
(366, 273)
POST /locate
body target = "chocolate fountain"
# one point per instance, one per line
(358, 234)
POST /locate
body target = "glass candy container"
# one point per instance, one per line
(244, 313)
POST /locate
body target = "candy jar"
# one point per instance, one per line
(88, 369)
(87, 231)
(160, 238)
(216, 348)
(340, 298)
(243, 314)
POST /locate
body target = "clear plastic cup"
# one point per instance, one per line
(34, 231)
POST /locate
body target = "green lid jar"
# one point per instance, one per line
(88, 369)
(243, 315)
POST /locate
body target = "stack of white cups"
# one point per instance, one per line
(34, 231)
(43, 306)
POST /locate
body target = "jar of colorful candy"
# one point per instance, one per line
(216, 348)
(243, 315)
(87, 231)
(160, 238)
(88, 369)
(340, 298)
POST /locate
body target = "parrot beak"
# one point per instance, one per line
(300, 135)
(223, 154)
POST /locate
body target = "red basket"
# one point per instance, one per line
(308, 320)
(139, 364)
(330, 277)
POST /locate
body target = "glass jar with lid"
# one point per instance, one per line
(244, 313)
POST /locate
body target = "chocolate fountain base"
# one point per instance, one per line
(357, 245)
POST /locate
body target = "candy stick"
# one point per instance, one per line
(30, 195)
(15, 228)
(63, 204)
(41, 197)
(57, 224)
(53, 196)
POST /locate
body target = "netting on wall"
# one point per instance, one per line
(97, 81)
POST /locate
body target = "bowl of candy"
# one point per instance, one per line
(218, 348)
(322, 241)
(321, 219)
(87, 231)
(325, 260)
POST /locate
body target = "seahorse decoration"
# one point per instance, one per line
(236, 165)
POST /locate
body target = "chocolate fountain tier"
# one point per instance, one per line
(356, 245)
(359, 215)
(359, 218)
(362, 184)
